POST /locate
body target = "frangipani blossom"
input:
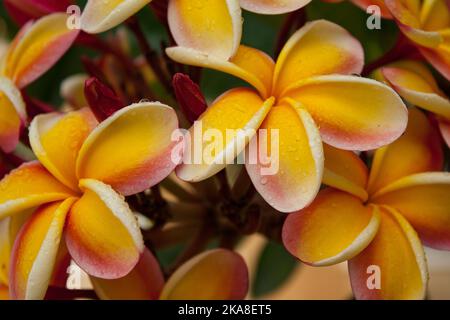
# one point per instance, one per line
(222, 273)
(415, 83)
(375, 219)
(84, 170)
(186, 17)
(427, 25)
(36, 48)
(310, 94)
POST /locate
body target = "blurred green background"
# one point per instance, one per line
(260, 32)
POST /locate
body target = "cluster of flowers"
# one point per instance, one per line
(88, 161)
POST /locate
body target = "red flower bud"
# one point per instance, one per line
(22, 11)
(189, 96)
(102, 100)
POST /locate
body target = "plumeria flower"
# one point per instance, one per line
(99, 16)
(78, 184)
(427, 25)
(416, 84)
(309, 95)
(222, 273)
(23, 11)
(35, 49)
(371, 218)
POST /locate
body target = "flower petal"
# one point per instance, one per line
(99, 16)
(423, 200)
(222, 132)
(439, 59)
(29, 186)
(417, 90)
(248, 64)
(396, 256)
(56, 139)
(339, 105)
(273, 7)
(319, 48)
(334, 228)
(211, 27)
(40, 47)
(12, 115)
(223, 275)
(417, 150)
(9, 228)
(35, 250)
(102, 234)
(345, 171)
(144, 282)
(444, 127)
(131, 150)
(435, 15)
(292, 178)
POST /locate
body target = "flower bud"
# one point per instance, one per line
(102, 100)
(189, 96)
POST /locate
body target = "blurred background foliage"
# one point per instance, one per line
(275, 264)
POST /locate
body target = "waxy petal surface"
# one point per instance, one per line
(417, 150)
(56, 139)
(395, 257)
(38, 49)
(319, 48)
(131, 150)
(423, 200)
(334, 228)
(285, 163)
(12, 114)
(144, 282)
(345, 171)
(211, 147)
(35, 251)
(211, 27)
(340, 106)
(222, 273)
(418, 90)
(99, 16)
(273, 7)
(29, 186)
(248, 64)
(102, 234)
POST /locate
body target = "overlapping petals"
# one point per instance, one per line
(349, 227)
(36, 48)
(419, 150)
(427, 25)
(306, 101)
(144, 282)
(396, 257)
(101, 232)
(379, 230)
(223, 274)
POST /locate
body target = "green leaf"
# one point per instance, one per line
(275, 267)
